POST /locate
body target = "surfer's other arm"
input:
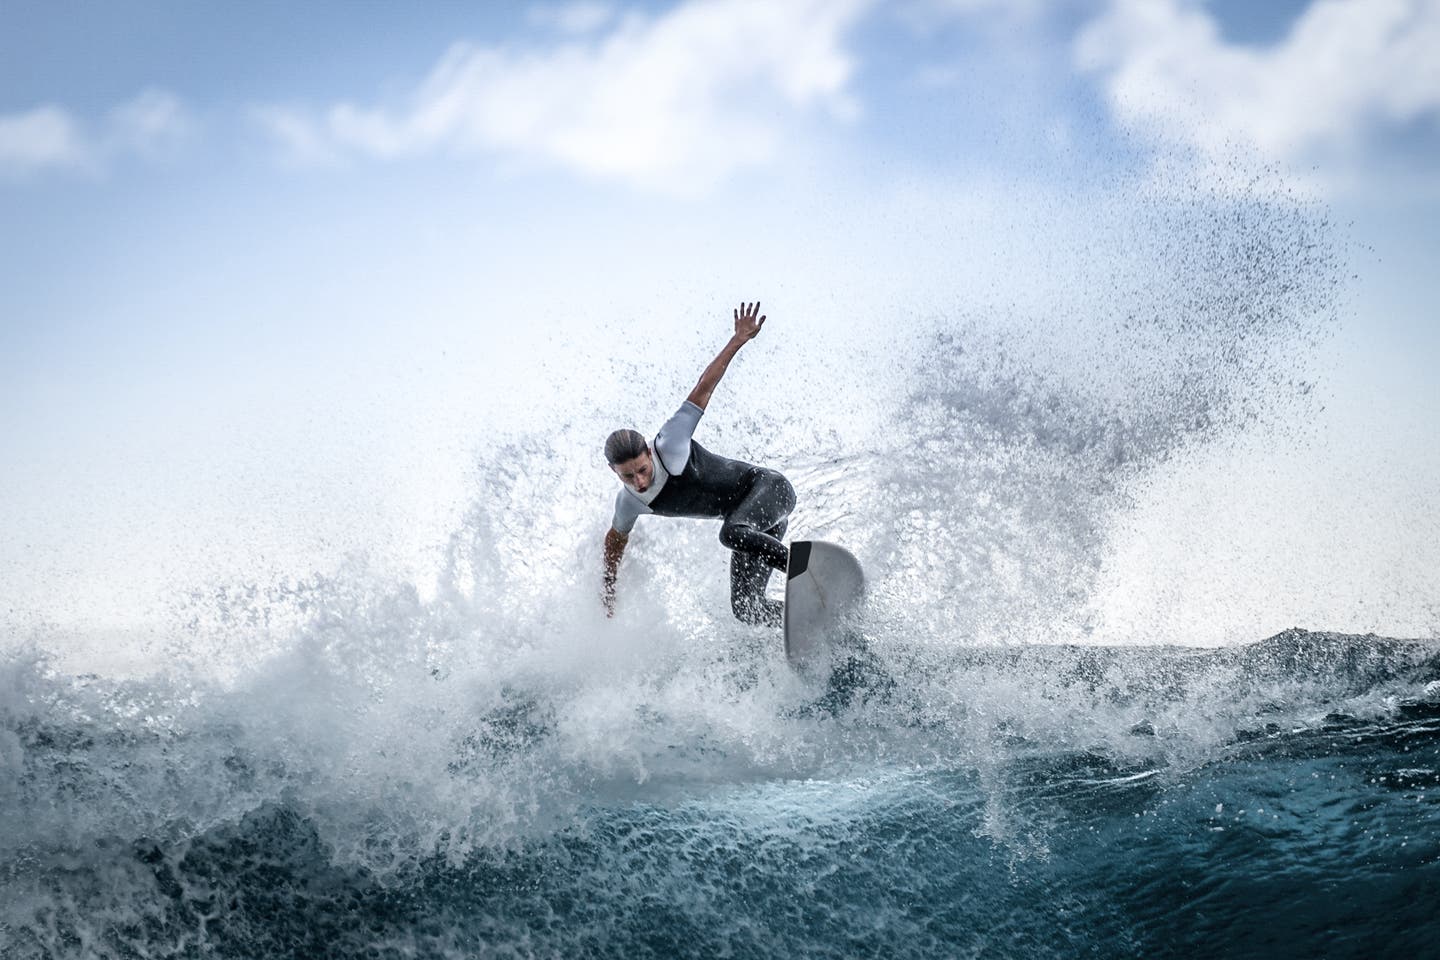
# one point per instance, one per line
(614, 549)
(747, 325)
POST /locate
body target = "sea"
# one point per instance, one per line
(353, 762)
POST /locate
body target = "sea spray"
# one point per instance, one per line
(355, 762)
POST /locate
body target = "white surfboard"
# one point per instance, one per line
(824, 587)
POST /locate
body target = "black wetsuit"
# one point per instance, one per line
(754, 503)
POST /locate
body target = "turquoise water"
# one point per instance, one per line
(1280, 799)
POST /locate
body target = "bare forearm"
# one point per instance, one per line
(710, 379)
(614, 549)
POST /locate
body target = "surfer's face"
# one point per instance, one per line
(636, 473)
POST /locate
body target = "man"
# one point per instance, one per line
(676, 477)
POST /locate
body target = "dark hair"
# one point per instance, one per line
(624, 445)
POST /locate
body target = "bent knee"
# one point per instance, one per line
(787, 493)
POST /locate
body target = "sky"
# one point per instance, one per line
(272, 273)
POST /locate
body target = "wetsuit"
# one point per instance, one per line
(754, 503)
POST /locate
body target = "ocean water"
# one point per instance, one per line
(1274, 799)
(354, 764)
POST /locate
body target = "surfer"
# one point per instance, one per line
(676, 477)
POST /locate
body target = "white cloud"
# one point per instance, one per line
(45, 137)
(151, 125)
(676, 101)
(301, 138)
(1346, 68)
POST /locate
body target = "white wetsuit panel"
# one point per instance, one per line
(672, 443)
(671, 451)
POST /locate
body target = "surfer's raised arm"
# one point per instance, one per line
(676, 477)
(747, 325)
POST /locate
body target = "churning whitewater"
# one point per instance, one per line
(348, 765)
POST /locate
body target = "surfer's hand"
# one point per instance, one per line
(748, 320)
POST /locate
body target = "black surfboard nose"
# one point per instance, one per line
(799, 559)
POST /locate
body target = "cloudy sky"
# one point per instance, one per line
(270, 273)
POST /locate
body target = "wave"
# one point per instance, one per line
(353, 763)
(154, 816)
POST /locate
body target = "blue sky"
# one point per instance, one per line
(261, 259)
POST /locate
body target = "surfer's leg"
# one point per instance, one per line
(749, 574)
(748, 528)
(753, 530)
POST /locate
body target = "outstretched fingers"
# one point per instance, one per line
(748, 320)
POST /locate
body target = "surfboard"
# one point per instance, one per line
(824, 586)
